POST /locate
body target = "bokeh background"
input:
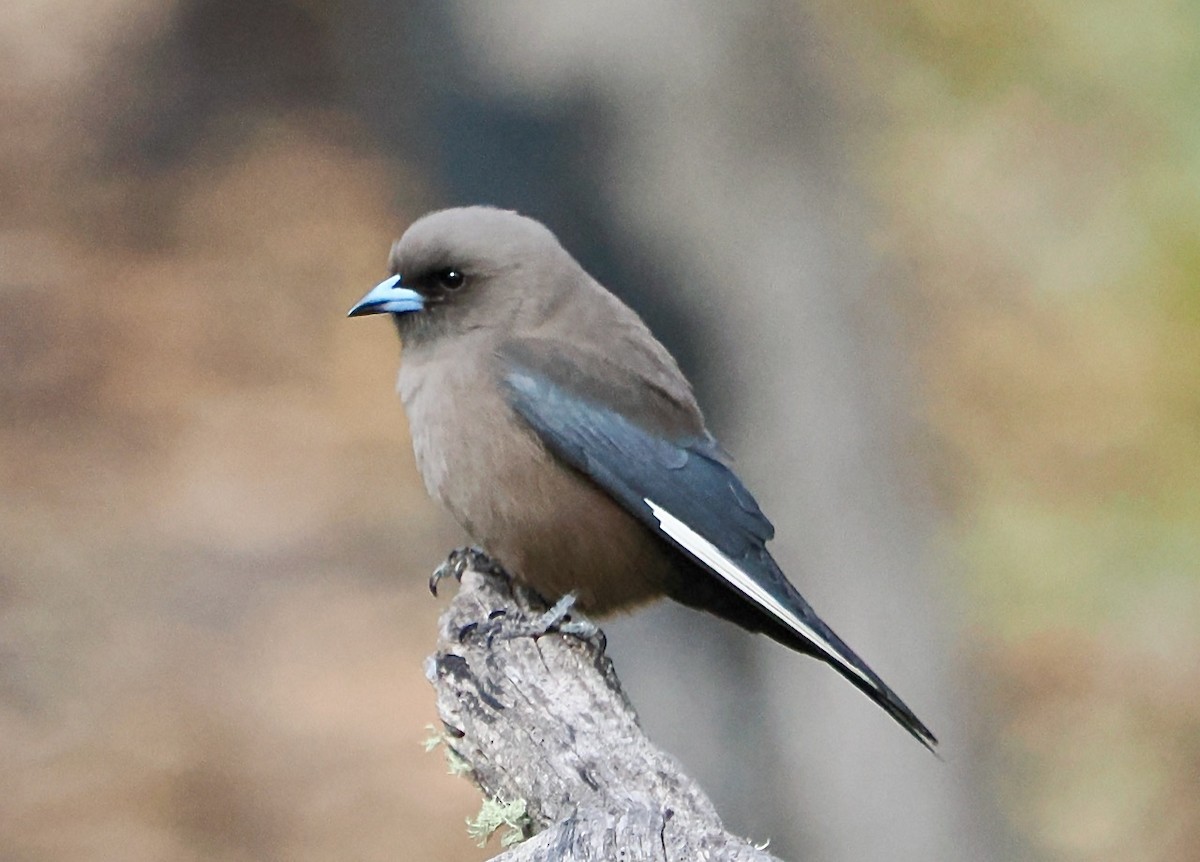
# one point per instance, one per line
(933, 266)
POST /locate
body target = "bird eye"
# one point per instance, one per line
(450, 278)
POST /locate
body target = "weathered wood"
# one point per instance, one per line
(542, 720)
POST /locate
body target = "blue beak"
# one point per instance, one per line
(388, 296)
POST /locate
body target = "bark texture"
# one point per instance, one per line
(541, 719)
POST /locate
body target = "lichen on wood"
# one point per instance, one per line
(541, 719)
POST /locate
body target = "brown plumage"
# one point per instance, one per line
(565, 440)
(551, 527)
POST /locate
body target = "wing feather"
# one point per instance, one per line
(685, 491)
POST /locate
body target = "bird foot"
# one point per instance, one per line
(459, 561)
(559, 619)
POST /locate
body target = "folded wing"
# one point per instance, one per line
(683, 489)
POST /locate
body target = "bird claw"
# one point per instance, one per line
(559, 619)
(459, 561)
(557, 615)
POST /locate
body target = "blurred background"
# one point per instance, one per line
(932, 265)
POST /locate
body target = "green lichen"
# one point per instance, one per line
(493, 815)
(434, 739)
(455, 762)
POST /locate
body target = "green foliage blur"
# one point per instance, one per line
(1041, 163)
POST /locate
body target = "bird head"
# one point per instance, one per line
(466, 269)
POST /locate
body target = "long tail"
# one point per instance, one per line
(758, 596)
(831, 649)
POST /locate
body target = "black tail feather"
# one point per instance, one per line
(710, 595)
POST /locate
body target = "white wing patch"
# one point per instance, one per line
(707, 553)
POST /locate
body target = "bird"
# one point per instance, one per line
(564, 439)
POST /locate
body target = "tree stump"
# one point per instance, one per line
(541, 725)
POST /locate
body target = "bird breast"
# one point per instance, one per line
(548, 525)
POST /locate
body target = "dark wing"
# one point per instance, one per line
(685, 491)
